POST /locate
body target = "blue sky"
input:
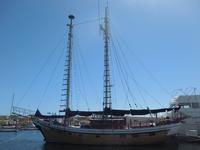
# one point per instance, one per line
(159, 40)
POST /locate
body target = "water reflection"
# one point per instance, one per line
(33, 140)
(189, 146)
(50, 146)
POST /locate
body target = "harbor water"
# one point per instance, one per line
(33, 140)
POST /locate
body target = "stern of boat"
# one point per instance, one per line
(174, 128)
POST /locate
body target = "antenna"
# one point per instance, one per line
(99, 17)
(107, 3)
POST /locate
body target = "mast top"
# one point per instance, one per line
(71, 16)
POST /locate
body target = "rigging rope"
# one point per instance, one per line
(82, 80)
(114, 94)
(132, 74)
(39, 72)
(87, 22)
(123, 72)
(51, 76)
(122, 83)
(151, 75)
(79, 79)
(84, 67)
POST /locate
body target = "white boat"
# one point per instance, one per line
(8, 129)
(190, 110)
(191, 136)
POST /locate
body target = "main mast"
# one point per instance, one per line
(68, 68)
(107, 86)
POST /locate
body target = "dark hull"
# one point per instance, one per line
(55, 134)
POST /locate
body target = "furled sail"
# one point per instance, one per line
(113, 112)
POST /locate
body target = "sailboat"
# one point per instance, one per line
(11, 121)
(106, 127)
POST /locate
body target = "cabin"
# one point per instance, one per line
(189, 105)
(119, 123)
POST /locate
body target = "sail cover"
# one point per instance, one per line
(113, 112)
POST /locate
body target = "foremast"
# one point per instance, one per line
(107, 83)
(68, 69)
